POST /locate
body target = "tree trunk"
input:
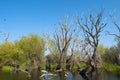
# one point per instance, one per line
(62, 62)
(97, 59)
(118, 59)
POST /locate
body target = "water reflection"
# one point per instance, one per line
(98, 75)
(65, 75)
(93, 75)
(70, 76)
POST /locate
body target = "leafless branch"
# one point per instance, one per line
(117, 26)
(64, 37)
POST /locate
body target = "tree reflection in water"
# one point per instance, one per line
(93, 75)
(96, 75)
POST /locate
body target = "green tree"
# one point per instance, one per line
(118, 52)
(101, 49)
(33, 47)
(9, 54)
(110, 55)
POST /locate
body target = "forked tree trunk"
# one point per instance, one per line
(63, 40)
(92, 28)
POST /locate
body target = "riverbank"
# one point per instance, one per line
(110, 67)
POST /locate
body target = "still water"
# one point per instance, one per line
(70, 76)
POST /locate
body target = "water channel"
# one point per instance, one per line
(59, 76)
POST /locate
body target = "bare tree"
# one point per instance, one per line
(63, 38)
(75, 51)
(5, 36)
(117, 26)
(92, 27)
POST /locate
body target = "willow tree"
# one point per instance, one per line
(33, 48)
(10, 55)
(63, 38)
(92, 28)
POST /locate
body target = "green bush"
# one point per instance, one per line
(114, 68)
(7, 68)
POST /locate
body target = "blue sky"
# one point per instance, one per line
(21, 17)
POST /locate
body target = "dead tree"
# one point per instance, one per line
(117, 26)
(92, 27)
(63, 38)
(6, 36)
(75, 54)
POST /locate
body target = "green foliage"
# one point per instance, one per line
(7, 68)
(9, 54)
(33, 48)
(101, 49)
(110, 55)
(118, 47)
(53, 56)
(114, 68)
